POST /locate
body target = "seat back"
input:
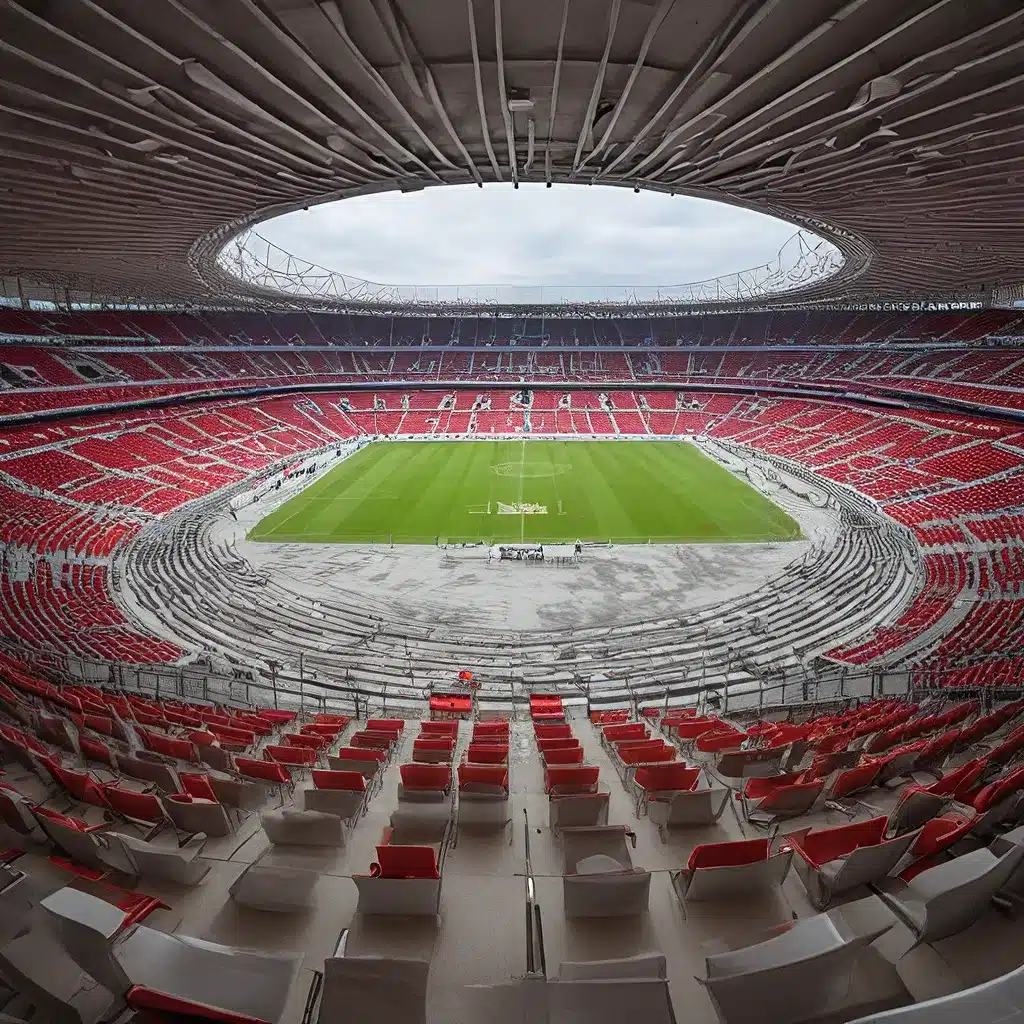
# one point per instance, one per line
(374, 989)
(265, 771)
(740, 869)
(971, 881)
(480, 753)
(310, 740)
(407, 862)
(298, 756)
(571, 779)
(666, 777)
(134, 806)
(626, 731)
(551, 731)
(868, 864)
(853, 780)
(191, 815)
(330, 779)
(196, 784)
(792, 800)
(16, 813)
(489, 776)
(74, 837)
(561, 743)
(426, 776)
(386, 724)
(450, 729)
(562, 755)
(86, 925)
(646, 752)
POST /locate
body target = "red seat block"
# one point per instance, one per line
(575, 779)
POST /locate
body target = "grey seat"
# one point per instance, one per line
(947, 898)
(241, 982)
(599, 879)
(801, 974)
(302, 828)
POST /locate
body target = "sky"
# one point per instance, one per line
(565, 235)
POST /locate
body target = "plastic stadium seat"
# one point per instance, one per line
(480, 753)
(566, 743)
(343, 793)
(831, 861)
(571, 779)
(733, 870)
(450, 729)
(433, 750)
(562, 755)
(191, 815)
(405, 880)
(313, 742)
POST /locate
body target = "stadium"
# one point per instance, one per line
(677, 628)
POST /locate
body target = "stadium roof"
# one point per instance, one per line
(137, 138)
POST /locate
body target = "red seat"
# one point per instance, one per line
(480, 753)
(96, 750)
(330, 732)
(182, 750)
(646, 752)
(609, 717)
(144, 807)
(582, 779)
(373, 740)
(264, 771)
(442, 743)
(493, 731)
(853, 780)
(663, 778)
(405, 862)
(299, 757)
(728, 855)
(426, 776)
(81, 786)
(819, 846)
(279, 717)
(243, 738)
(552, 732)
(563, 755)
(360, 754)
(568, 743)
(691, 728)
(324, 778)
(433, 729)
(628, 731)
(996, 792)
(323, 718)
(200, 738)
(197, 785)
(725, 739)
(483, 775)
(313, 742)
(385, 724)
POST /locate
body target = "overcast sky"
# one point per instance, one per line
(567, 235)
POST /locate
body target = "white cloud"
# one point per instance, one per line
(565, 235)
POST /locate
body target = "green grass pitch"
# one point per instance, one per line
(535, 491)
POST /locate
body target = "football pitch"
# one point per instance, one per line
(628, 492)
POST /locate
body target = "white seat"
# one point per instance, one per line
(198, 816)
(571, 810)
(302, 828)
(701, 806)
(266, 885)
(599, 879)
(483, 808)
(800, 974)
(947, 898)
(185, 969)
(346, 804)
(367, 990)
(180, 865)
(1000, 1001)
